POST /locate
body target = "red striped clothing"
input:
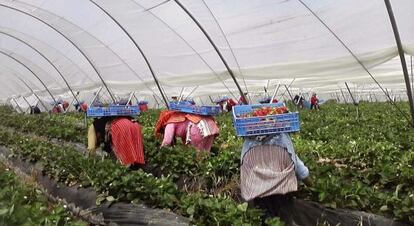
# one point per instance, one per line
(127, 141)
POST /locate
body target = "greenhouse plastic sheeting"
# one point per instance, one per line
(261, 40)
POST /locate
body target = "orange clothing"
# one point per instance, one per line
(169, 116)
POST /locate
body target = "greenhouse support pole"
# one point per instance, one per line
(156, 100)
(287, 89)
(192, 91)
(31, 71)
(96, 95)
(47, 59)
(412, 75)
(343, 95)
(31, 90)
(18, 106)
(290, 84)
(71, 103)
(337, 97)
(402, 58)
(350, 93)
(215, 48)
(201, 101)
(69, 40)
(211, 99)
(27, 102)
(139, 49)
(275, 93)
(130, 98)
(291, 97)
(136, 98)
(353, 99)
(180, 96)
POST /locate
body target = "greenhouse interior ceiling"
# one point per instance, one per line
(203, 48)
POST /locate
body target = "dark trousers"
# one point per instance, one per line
(315, 106)
(274, 205)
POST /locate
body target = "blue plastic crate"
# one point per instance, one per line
(265, 100)
(217, 101)
(264, 125)
(115, 110)
(193, 109)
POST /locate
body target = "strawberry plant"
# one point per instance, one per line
(22, 204)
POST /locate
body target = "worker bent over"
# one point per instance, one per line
(121, 136)
(197, 130)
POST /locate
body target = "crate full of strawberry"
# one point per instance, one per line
(263, 119)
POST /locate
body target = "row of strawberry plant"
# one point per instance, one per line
(52, 126)
(119, 183)
(23, 204)
(364, 145)
(178, 162)
(361, 163)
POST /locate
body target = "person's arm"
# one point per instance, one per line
(302, 171)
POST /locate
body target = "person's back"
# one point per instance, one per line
(270, 171)
(127, 141)
(36, 110)
(314, 102)
(122, 136)
(314, 99)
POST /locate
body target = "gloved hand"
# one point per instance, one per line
(308, 182)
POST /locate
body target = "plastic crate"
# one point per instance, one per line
(264, 125)
(265, 100)
(217, 101)
(193, 109)
(115, 110)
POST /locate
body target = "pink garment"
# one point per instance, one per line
(196, 138)
(176, 129)
(198, 141)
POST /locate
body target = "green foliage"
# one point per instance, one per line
(22, 204)
(115, 182)
(363, 163)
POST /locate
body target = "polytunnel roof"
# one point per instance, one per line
(263, 41)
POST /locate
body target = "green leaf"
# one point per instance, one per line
(242, 207)
(384, 208)
(190, 210)
(4, 211)
(110, 199)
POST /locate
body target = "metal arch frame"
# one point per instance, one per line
(109, 49)
(31, 71)
(215, 48)
(188, 44)
(11, 30)
(27, 86)
(40, 100)
(228, 43)
(47, 59)
(31, 64)
(69, 40)
(27, 102)
(139, 49)
(402, 58)
(17, 104)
